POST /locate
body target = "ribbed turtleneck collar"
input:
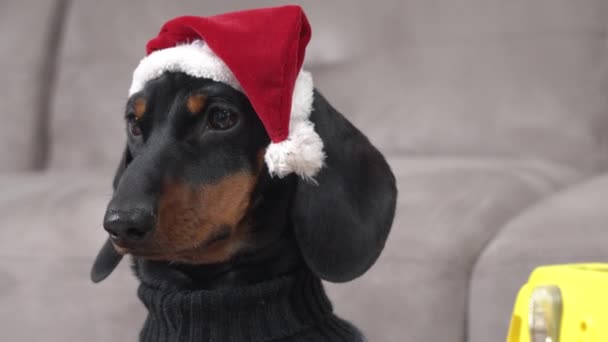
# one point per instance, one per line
(262, 312)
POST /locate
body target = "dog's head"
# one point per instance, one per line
(194, 155)
(193, 176)
(210, 174)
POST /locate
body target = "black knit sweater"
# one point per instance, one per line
(291, 308)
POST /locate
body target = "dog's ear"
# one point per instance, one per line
(105, 263)
(107, 259)
(342, 220)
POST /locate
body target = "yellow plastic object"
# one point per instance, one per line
(582, 305)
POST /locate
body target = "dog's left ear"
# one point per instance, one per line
(341, 223)
(107, 259)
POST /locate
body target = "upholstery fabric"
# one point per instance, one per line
(51, 229)
(451, 74)
(447, 211)
(26, 67)
(568, 227)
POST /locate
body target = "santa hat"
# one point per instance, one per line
(259, 52)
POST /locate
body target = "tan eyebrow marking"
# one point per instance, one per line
(139, 107)
(196, 103)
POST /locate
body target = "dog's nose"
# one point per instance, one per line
(128, 227)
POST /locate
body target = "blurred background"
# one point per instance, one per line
(492, 113)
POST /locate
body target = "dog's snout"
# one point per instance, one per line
(129, 227)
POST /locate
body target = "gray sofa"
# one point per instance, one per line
(492, 113)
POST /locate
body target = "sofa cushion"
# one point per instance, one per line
(447, 211)
(28, 46)
(51, 230)
(568, 227)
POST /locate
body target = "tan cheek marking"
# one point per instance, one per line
(139, 108)
(227, 201)
(175, 218)
(189, 217)
(196, 103)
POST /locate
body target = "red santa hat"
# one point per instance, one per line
(259, 52)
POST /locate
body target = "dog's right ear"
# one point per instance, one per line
(107, 258)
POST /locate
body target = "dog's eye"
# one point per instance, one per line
(135, 130)
(220, 118)
(134, 127)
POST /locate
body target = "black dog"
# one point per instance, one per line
(224, 251)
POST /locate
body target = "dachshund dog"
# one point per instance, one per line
(207, 225)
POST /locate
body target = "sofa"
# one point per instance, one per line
(493, 115)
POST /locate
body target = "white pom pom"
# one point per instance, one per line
(302, 151)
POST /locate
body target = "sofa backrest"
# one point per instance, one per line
(503, 79)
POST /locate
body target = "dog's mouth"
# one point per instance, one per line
(190, 255)
(123, 246)
(214, 247)
(120, 249)
(146, 253)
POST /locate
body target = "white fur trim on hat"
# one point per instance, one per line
(195, 59)
(302, 151)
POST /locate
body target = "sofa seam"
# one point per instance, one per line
(49, 73)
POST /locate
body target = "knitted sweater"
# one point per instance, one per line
(291, 308)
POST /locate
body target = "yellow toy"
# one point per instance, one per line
(562, 303)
